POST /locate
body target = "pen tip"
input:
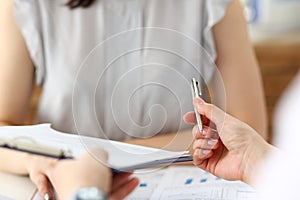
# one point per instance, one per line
(47, 196)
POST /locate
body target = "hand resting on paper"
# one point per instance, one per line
(67, 176)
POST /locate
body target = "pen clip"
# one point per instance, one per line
(196, 90)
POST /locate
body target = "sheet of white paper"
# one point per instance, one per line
(120, 154)
(190, 182)
(186, 182)
(149, 180)
(4, 198)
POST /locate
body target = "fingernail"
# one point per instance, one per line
(203, 153)
(212, 142)
(47, 196)
(203, 132)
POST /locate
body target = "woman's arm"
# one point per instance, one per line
(16, 80)
(16, 70)
(16, 84)
(239, 69)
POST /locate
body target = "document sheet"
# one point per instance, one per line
(188, 182)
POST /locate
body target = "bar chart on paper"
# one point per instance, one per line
(149, 180)
(181, 183)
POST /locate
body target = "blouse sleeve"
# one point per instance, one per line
(216, 10)
(27, 16)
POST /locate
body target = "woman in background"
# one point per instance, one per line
(121, 69)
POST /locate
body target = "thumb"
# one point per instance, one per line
(211, 112)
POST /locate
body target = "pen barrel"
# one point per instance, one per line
(196, 91)
(199, 121)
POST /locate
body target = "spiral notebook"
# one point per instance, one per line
(43, 140)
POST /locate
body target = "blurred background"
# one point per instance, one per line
(274, 28)
(274, 15)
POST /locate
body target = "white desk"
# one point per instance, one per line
(16, 187)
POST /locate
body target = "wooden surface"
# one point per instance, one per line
(34, 104)
(279, 60)
(174, 142)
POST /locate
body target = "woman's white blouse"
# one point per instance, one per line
(121, 68)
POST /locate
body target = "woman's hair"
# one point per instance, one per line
(79, 3)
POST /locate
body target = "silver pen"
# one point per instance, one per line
(196, 92)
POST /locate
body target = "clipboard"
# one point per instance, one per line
(155, 163)
(44, 141)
